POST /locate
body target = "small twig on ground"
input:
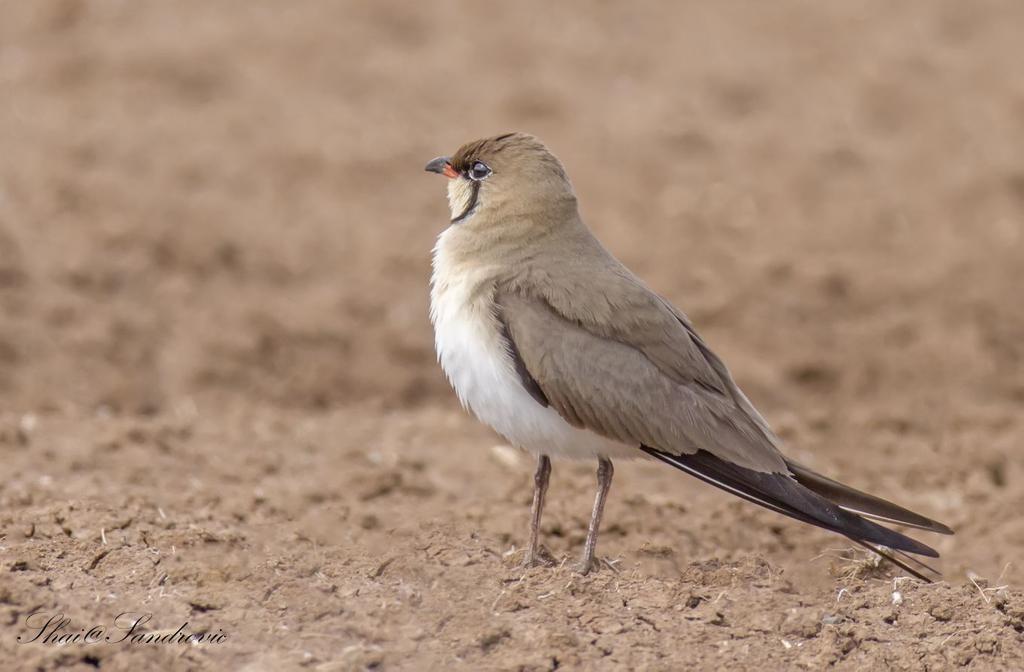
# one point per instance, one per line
(854, 564)
(974, 578)
(611, 564)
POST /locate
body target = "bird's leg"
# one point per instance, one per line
(540, 488)
(604, 483)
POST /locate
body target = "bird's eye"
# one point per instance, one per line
(478, 171)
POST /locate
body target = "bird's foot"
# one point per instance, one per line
(539, 558)
(588, 565)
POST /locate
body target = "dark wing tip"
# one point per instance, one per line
(861, 503)
(783, 494)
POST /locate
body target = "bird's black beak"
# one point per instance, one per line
(442, 165)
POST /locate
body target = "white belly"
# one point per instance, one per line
(471, 352)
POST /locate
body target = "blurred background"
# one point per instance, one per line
(227, 199)
(221, 207)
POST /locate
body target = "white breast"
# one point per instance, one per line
(475, 360)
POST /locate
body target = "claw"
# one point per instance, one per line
(542, 558)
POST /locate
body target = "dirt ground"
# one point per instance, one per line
(218, 398)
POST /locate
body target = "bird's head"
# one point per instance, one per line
(505, 176)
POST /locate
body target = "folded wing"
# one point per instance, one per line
(684, 410)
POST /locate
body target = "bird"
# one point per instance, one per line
(551, 341)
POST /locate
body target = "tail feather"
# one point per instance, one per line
(885, 555)
(862, 503)
(787, 495)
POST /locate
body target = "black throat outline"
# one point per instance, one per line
(475, 187)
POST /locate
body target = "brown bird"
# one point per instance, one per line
(551, 341)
